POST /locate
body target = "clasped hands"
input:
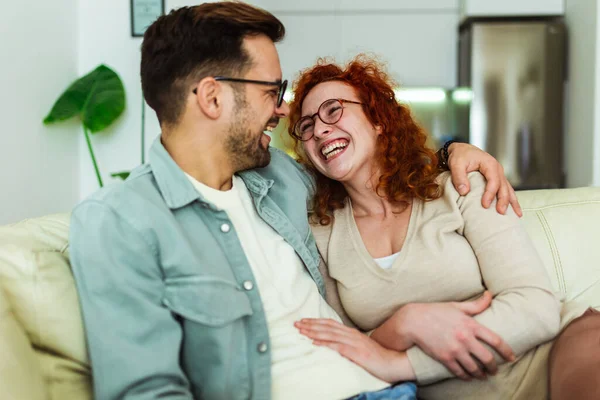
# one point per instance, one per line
(446, 332)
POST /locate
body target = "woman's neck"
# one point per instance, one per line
(365, 200)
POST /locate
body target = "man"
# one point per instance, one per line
(192, 272)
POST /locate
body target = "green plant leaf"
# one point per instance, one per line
(71, 102)
(106, 101)
(123, 174)
(98, 98)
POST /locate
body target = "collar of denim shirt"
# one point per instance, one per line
(176, 188)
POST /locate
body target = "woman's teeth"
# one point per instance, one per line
(332, 149)
(333, 153)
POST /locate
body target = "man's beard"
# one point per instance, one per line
(242, 144)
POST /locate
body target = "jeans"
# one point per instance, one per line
(403, 391)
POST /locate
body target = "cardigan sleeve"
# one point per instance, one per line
(524, 312)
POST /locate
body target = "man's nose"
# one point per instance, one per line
(283, 110)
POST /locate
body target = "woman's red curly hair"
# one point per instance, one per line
(408, 167)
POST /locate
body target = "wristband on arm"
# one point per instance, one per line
(442, 155)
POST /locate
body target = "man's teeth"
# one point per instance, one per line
(332, 149)
(269, 129)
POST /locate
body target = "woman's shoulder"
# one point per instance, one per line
(318, 228)
(337, 214)
(477, 183)
(450, 200)
(322, 233)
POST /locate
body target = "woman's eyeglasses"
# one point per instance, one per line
(330, 112)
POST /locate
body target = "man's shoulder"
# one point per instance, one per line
(280, 158)
(139, 190)
(283, 167)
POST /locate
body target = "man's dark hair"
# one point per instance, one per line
(191, 43)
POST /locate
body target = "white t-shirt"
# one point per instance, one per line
(300, 370)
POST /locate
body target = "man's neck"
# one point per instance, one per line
(200, 156)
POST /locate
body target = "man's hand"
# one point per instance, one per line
(464, 158)
(448, 333)
(388, 365)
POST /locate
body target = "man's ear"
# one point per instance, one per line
(209, 96)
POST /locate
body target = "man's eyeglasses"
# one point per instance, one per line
(281, 85)
(330, 112)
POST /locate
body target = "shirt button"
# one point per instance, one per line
(262, 347)
(225, 228)
(248, 285)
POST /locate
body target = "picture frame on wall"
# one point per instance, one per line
(143, 14)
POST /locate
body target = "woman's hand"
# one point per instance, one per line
(388, 365)
(448, 333)
(464, 158)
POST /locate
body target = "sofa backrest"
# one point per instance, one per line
(565, 228)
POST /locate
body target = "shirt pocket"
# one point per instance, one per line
(207, 300)
(214, 352)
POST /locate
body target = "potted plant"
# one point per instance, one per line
(98, 98)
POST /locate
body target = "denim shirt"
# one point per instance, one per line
(169, 301)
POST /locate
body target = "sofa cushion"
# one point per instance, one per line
(20, 373)
(36, 279)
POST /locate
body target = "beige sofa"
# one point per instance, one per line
(42, 345)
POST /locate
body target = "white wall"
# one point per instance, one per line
(416, 37)
(596, 167)
(478, 8)
(105, 38)
(38, 165)
(583, 122)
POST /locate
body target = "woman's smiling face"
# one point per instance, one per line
(346, 149)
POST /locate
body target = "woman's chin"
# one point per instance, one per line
(336, 173)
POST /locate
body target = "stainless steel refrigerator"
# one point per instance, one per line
(516, 72)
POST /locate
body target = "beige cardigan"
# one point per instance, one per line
(453, 251)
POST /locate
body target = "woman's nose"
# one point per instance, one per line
(321, 129)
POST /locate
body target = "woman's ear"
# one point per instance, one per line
(378, 129)
(209, 97)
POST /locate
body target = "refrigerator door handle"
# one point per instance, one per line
(525, 151)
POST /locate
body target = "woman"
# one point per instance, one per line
(404, 246)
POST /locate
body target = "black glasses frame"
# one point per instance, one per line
(281, 84)
(298, 135)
